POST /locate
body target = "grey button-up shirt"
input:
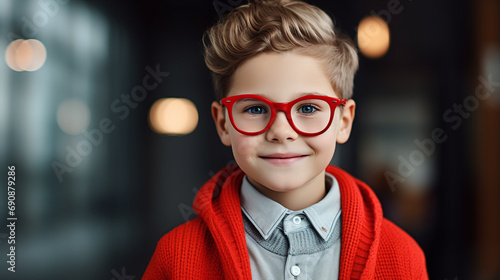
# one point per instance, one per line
(286, 244)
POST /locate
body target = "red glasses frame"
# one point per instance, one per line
(284, 107)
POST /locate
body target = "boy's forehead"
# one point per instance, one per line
(273, 60)
(281, 77)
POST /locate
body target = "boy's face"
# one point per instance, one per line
(283, 78)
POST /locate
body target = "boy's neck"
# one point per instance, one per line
(309, 194)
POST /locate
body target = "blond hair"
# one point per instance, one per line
(278, 26)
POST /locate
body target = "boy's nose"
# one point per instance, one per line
(281, 130)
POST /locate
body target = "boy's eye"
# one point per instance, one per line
(256, 110)
(307, 109)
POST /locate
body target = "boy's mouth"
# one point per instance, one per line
(283, 158)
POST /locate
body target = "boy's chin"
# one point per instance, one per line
(281, 189)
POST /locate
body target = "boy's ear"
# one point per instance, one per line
(346, 119)
(220, 123)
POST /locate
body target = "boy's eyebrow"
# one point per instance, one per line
(311, 93)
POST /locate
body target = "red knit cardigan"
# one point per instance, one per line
(213, 246)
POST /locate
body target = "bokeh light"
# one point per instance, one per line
(373, 37)
(73, 116)
(10, 55)
(25, 55)
(173, 116)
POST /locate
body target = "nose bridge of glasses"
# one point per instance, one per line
(281, 107)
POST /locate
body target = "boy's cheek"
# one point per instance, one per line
(244, 147)
(324, 145)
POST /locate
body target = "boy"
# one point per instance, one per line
(283, 80)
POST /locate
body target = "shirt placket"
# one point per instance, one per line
(295, 267)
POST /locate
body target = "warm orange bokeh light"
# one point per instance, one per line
(174, 116)
(11, 55)
(25, 55)
(373, 37)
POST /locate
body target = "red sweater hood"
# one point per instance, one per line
(220, 226)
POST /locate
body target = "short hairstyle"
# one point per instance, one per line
(278, 26)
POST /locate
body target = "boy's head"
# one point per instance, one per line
(281, 72)
(278, 26)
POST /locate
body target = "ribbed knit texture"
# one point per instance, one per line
(213, 245)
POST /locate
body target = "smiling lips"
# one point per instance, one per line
(280, 158)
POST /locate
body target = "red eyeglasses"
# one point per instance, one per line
(308, 115)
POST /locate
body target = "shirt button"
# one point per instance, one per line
(296, 220)
(295, 270)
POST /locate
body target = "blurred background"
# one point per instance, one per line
(105, 114)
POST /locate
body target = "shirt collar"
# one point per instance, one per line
(325, 213)
(266, 214)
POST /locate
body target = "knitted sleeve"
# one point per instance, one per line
(175, 253)
(399, 256)
(155, 270)
(186, 252)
